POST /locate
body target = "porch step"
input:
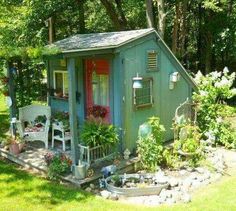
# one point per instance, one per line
(128, 166)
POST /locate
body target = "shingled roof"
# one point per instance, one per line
(99, 40)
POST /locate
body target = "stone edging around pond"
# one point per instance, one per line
(182, 183)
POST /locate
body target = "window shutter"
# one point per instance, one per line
(152, 60)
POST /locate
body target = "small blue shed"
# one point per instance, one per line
(95, 71)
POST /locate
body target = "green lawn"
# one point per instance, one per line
(4, 119)
(22, 191)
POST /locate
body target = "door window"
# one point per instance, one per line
(100, 89)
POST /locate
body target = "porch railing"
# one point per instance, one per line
(96, 154)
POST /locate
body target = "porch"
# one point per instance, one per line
(33, 158)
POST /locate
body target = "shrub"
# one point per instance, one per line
(214, 88)
(58, 164)
(150, 144)
(96, 132)
(189, 145)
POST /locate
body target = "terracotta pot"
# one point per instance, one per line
(21, 146)
(14, 149)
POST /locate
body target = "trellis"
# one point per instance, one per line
(185, 113)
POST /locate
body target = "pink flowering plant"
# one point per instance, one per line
(214, 89)
(58, 164)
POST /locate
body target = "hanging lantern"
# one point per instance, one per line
(137, 82)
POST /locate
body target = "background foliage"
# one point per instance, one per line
(200, 33)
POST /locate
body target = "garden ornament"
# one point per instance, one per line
(126, 154)
(108, 170)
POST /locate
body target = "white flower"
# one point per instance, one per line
(215, 75)
(232, 76)
(203, 93)
(226, 70)
(224, 82)
(219, 119)
(210, 135)
(233, 91)
(198, 77)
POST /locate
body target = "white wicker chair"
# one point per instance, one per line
(29, 114)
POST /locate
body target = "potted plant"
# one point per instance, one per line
(61, 118)
(96, 132)
(14, 147)
(58, 93)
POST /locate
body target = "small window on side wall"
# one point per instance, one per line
(143, 97)
(61, 85)
(152, 61)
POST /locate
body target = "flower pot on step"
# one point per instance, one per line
(21, 146)
(14, 149)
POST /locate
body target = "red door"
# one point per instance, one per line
(97, 88)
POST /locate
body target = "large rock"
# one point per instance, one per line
(105, 194)
(182, 172)
(196, 184)
(114, 197)
(186, 198)
(173, 182)
(92, 186)
(170, 201)
(88, 189)
(200, 170)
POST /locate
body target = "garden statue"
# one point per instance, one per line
(126, 154)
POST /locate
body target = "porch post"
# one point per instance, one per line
(11, 88)
(72, 109)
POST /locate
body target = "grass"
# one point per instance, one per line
(22, 191)
(4, 118)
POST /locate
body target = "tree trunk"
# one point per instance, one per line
(149, 14)
(161, 17)
(82, 28)
(175, 30)
(208, 52)
(199, 38)
(121, 13)
(117, 18)
(183, 27)
(51, 30)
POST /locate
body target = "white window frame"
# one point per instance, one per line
(63, 83)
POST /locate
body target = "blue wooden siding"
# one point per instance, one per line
(165, 100)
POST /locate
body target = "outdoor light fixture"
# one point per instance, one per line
(137, 82)
(174, 78)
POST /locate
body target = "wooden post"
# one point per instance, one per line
(72, 109)
(11, 88)
(48, 82)
(51, 32)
